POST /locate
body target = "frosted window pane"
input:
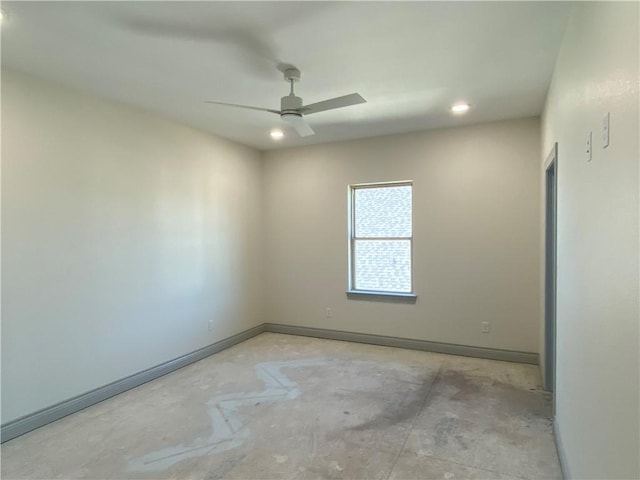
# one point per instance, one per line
(383, 265)
(383, 212)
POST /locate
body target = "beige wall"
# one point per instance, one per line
(597, 313)
(476, 234)
(123, 234)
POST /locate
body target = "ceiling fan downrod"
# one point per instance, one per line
(292, 75)
(291, 104)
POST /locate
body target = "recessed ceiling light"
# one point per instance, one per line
(460, 108)
(276, 134)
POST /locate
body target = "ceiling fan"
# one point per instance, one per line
(292, 110)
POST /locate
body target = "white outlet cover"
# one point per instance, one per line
(588, 147)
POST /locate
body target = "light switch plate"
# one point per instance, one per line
(605, 131)
(588, 147)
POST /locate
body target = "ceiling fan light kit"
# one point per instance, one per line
(292, 109)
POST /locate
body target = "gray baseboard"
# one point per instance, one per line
(411, 344)
(561, 453)
(55, 412)
(47, 415)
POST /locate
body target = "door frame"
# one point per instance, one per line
(550, 269)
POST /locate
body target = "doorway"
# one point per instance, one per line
(551, 197)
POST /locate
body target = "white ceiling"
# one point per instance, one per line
(410, 60)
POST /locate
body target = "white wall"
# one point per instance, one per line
(476, 234)
(597, 313)
(123, 235)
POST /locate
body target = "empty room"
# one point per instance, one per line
(320, 240)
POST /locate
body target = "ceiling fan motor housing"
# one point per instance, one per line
(291, 104)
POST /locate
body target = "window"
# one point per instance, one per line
(380, 238)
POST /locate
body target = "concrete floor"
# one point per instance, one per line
(287, 407)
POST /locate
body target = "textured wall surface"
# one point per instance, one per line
(597, 273)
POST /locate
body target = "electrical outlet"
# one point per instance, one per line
(588, 148)
(485, 327)
(329, 313)
(210, 325)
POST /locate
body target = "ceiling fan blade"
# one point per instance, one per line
(338, 102)
(299, 123)
(249, 44)
(245, 106)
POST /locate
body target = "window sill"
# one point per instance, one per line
(395, 297)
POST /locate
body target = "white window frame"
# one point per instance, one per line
(352, 238)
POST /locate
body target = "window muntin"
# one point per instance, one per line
(381, 239)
